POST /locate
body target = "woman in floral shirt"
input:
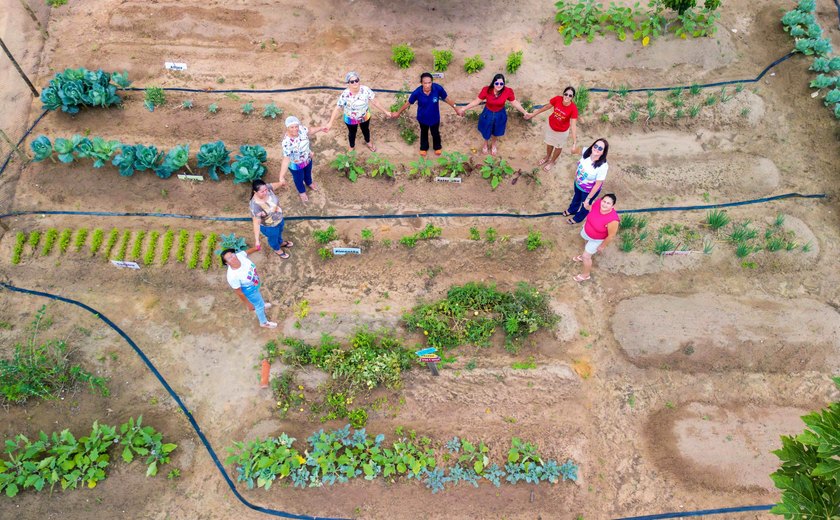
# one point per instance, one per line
(297, 157)
(356, 100)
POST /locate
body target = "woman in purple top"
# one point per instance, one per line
(427, 96)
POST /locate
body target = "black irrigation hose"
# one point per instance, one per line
(172, 394)
(684, 514)
(391, 91)
(412, 215)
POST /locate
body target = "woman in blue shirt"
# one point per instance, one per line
(427, 96)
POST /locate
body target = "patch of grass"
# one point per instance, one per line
(534, 240)
(627, 241)
(663, 244)
(717, 219)
(742, 232)
(628, 221)
(582, 98)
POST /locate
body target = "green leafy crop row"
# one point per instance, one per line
(803, 26)
(246, 167)
(427, 233)
(338, 456)
(198, 239)
(74, 88)
(61, 458)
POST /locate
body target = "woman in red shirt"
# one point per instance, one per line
(599, 229)
(561, 122)
(493, 120)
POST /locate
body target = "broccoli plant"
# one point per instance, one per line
(42, 148)
(215, 157)
(124, 160)
(271, 110)
(175, 159)
(63, 149)
(248, 165)
(102, 151)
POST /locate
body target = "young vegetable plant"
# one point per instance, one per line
(495, 170)
(380, 166)
(422, 167)
(442, 59)
(402, 55)
(271, 110)
(137, 247)
(41, 148)
(473, 64)
(514, 61)
(325, 253)
(347, 165)
(453, 164)
(63, 149)
(103, 151)
(123, 247)
(247, 108)
(581, 20)
(166, 249)
(534, 240)
(17, 252)
(34, 240)
(213, 108)
(153, 98)
(175, 159)
(211, 246)
(325, 236)
(64, 240)
(183, 240)
(215, 157)
(96, 241)
(248, 165)
(187, 104)
(113, 236)
(198, 239)
(149, 255)
(81, 238)
(49, 241)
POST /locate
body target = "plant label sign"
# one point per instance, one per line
(428, 355)
(130, 265)
(171, 65)
(185, 177)
(456, 180)
(347, 250)
(437, 75)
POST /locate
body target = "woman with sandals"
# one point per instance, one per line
(268, 217)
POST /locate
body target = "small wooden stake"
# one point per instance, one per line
(23, 156)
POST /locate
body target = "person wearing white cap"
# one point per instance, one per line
(297, 156)
(355, 100)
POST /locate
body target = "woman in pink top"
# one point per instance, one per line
(599, 229)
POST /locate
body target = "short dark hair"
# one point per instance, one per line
(256, 185)
(426, 75)
(612, 196)
(223, 253)
(574, 92)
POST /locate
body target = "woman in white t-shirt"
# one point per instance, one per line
(589, 177)
(244, 280)
(355, 101)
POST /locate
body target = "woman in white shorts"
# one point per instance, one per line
(599, 229)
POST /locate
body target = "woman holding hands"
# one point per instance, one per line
(561, 122)
(297, 156)
(355, 101)
(493, 119)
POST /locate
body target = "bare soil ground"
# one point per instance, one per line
(668, 379)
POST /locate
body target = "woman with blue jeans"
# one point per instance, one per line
(589, 177)
(243, 278)
(297, 156)
(493, 119)
(267, 216)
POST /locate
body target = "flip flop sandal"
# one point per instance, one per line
(282, 254)
(548, 166)
(578, 278)
(371, 147)
(303, 197)
(485, 150)
(565, 214)
(542, 161)
(287, 244)
(571, 222)
(578, 258)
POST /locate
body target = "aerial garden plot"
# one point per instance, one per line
(434, 356)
